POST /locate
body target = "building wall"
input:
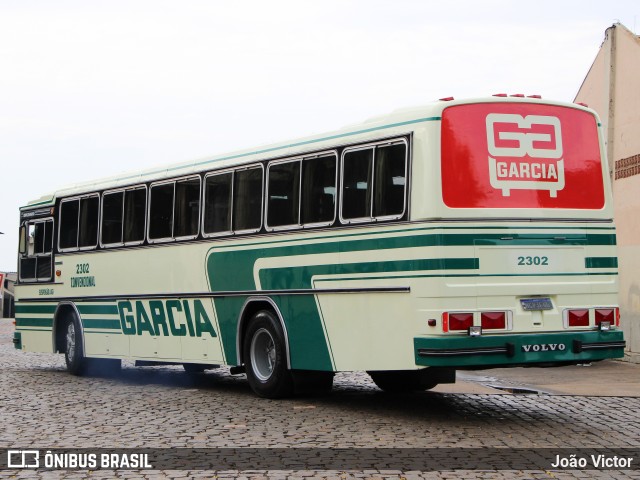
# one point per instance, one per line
(612, 88)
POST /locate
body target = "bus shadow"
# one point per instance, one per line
(355, 395)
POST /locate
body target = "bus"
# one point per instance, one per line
(464, 234)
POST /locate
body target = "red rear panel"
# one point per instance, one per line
(516, 155)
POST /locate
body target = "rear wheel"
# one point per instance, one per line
(399, 381)
(74, 351)
(265, 357)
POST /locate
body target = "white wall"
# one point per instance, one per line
(615, 76)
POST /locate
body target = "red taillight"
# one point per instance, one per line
(460, 321)
(518, 95)
(578, 318)
(605, 315)
(493, 320)
(499, 94)
(617, 316)
(446, 99)
(534, 96)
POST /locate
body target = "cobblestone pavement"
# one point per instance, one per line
(42, 406)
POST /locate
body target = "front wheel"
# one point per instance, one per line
(265, 357)
(74, 351)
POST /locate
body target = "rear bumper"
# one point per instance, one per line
(522, 349)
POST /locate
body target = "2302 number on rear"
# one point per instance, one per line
(533, 260)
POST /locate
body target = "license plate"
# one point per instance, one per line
(541, 303)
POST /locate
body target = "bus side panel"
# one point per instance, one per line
(34, 323)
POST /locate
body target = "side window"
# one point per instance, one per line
(161, 211)
(357, 168)
(79, 223)
(247, 199)
(35, 262)
(374, 182)
(111, 232)
(88, 224)
(123, 216)
(390, 180)
(217, 204)
(187, 208)
(318, 204)
(283, 202)
(174, 210)
(302, 192)
(135, 215)
(68, 234)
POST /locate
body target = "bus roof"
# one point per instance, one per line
(400, 118)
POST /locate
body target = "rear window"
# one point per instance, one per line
(514, 155)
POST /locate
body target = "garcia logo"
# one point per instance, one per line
(544, 347)
(525, 153)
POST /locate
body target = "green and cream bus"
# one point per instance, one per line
(458, 235)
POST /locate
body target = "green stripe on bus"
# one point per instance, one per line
(97, 309)
(300, 277)
(21, 308)
(601, 262)
(34, 322)
(106, 324)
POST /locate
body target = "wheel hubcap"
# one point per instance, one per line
(71, 340)
(263, 354)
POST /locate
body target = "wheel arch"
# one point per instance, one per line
(251, 306)
(64, 312)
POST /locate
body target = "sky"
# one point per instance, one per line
(91, 89)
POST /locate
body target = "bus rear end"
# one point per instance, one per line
(526, 199)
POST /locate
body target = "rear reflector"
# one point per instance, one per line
(605, 315)
(446, 99)
(460, 321)
(578, 318)
(493, 320)
(499, 94)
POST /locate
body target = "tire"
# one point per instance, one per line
(77, 363)
(265, 357)
(403, 381)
